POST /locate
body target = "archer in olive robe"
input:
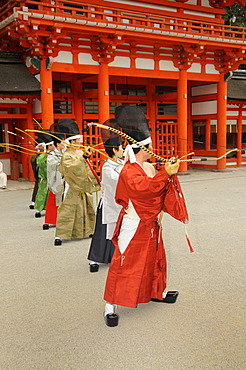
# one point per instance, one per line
(76, 215)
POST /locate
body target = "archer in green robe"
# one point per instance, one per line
(76, 214)
(42, 193)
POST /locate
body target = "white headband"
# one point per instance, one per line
(129, 153)
(73, 138)
(39, 144)
(50, 143)
(143, 142)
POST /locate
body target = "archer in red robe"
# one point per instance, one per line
(139, 274)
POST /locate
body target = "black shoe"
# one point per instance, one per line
(37, 215)
(46, 226)
(31, 206)
(94, 267)
(111, 319)
(91, 236)
(58, 242)
(171, 297)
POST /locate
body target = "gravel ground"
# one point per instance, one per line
(52, 307)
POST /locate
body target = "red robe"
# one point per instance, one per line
(51, 209)
(140, 273)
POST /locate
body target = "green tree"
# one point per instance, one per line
(235, 15)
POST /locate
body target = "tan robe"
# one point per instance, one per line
(76, 215)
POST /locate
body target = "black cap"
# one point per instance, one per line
(44, 137)
(133, 122)
(110, 139)
(68, 127)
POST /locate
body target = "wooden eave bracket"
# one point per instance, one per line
(185, 55)
(229, 61)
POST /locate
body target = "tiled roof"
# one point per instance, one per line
(15, 78)
(236, 88)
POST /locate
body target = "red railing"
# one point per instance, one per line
(139, 21)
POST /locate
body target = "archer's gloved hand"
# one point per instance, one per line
(87, 152)
(172, 166)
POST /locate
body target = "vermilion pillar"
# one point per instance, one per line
(103, 93)
(29, 123)
(239, 136)
(208, 135)
(189, 127)
(26, 157)
(151, 106)
(46, 95)
(221, 121)
(182, 118)
(77, 100)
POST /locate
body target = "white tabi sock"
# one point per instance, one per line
(164, 295)
(109, 308)
(92, 263)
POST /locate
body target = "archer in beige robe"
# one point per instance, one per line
(76, 215)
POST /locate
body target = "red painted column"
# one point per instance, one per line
(239, 136)
(30, 125)
(27, 172)
(103, 93)
(208, 135)
(221, 121)
(189, 128)
(46, 95)
(182, 118)
(25, 157)
(152, 110)
(77, 100)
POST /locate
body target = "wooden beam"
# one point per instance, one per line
(93, 94)
(170, 97)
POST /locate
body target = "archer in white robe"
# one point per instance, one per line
(3, 178)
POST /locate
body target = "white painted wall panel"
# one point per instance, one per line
(145, 5)
(204, 90)
(195, 68)
(211, 69)
(64, 57)
(143, 63)
(206, 107)
(206, 3)
(37, 106)
(123, 62)
(200, 14)
(230, 113)
(232, 122)
(167, 65)
(86, 58)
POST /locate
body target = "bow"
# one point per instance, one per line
(211, 159)
(129, 138)
(21, 137)
(18, 148)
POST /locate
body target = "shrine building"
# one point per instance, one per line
(81, 59)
